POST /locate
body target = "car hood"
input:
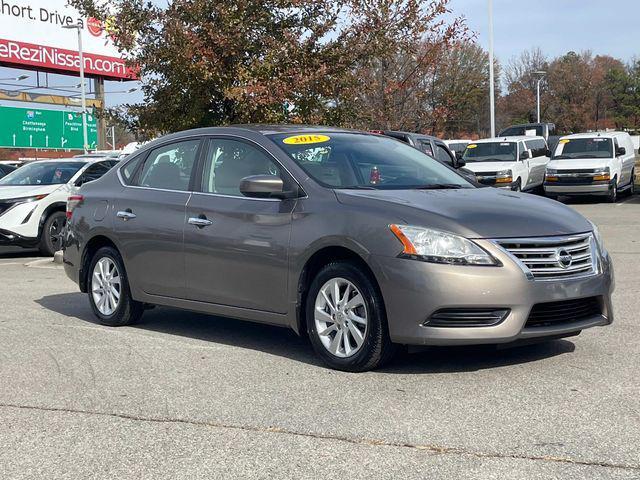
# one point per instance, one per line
(473, 213)
(578, 163)
(20, 191)
(479, 167)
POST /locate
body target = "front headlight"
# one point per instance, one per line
(15, 201)
(504, 176)
(551, 172)
(440, 247)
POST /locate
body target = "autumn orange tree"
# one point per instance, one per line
(215, 62)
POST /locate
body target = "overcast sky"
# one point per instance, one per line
(610, 27)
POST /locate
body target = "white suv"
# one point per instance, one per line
(514, 163)
(33, 199)
(592, 164)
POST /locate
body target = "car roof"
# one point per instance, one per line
(268, 129)
(508, 139)
(412, 134)
(594, 134)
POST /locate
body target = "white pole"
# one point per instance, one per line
(113, 138)
(83, 93)
(538, 97)
(492, 107)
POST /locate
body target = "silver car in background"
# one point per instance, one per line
(356, 240)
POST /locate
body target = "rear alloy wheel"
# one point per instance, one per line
(52, 234)
(517, 187)
(109, 293)
(346, 319)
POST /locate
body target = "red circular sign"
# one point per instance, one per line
(94, 26)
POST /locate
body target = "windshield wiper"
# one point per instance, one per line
(357, 187)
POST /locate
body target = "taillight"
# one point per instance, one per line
(72, 202)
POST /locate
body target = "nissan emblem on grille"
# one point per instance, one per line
(549, 258)
(564, 258)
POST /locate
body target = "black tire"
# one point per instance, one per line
(612, 196)
(632, 186)
(128, 311)
(52, 233)
(517, 187)
(377, 348)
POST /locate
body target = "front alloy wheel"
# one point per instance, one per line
(346, 319)
(341, 317)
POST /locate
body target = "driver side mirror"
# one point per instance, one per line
(79, 181)
(526, 155)
(621, 151)
(264, 186)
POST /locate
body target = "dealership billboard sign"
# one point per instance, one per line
(45, 129)
(31, 36)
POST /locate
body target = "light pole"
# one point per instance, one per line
(492, 106)
(540, 74)
(83, 94)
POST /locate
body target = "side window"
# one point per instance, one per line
(169, 167)
(94, 172)
(229, 161)
(443, 156)
(130, 168)
(425, 146)
(531, 145)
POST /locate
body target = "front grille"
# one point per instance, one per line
(486, 178)
(467, 317)
(554, 257)
(566, 311)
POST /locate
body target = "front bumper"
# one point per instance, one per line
(8, 238)
(568, 189)
(414, 290)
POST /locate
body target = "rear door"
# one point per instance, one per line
(237, 248)
(150, 218)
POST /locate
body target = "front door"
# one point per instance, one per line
(539, 160)
(236, 248)
(150, 218)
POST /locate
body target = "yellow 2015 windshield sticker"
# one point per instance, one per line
(564, 140)
(306, 139)
(473, 145)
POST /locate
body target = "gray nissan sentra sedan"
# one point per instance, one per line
(355, 239)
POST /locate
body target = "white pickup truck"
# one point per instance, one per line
(592, 164)
(514, 163)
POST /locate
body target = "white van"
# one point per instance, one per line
(591, 164)
(514, 163)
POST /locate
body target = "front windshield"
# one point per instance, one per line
(595, 147)
(42, 173)
(353, 160)
(491, 152)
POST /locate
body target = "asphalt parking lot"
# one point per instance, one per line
(183, 395)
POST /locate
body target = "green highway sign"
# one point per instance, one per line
(45, 129)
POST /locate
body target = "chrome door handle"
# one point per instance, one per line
(126, 215)
(199, 221)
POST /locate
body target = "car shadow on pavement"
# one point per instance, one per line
(10, 252)
(285, 343)
(474, 358)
